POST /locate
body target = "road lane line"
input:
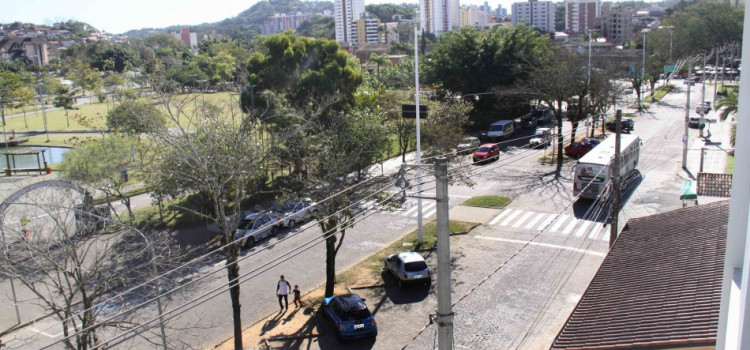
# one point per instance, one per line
(605, 237)
(559, 223)
(534, 220)
(413, 208)
(523, 218)
(546, 222)
(545, 245)
(500, 216)
(41, 332)
(583, 227)
(511, 217)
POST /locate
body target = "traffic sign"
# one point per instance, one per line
(410, 111)
(670, 69)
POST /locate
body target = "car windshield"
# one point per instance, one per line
(539, 133)
(415, 266)
(483, 149)
(467, 140)
(496, 127)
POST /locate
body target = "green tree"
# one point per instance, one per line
(13, 89)
(65, 99)
(701, 26)
(378, 60)
(213, 152)
(728, 105)
(471, 61)
(84, 76)
(385, 12)
(135, 117)
(102, 165)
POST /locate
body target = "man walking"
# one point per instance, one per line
(282, 290)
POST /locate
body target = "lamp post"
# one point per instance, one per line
(643, 71)
(419, 142)
(44, 113)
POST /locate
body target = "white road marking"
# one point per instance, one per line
(534, 220)
(545, 245)
(414, 208)
(583, 228)
(546, 222)
(568, 229)
(559, 223)
(605, 237)
(220, 263)
(425, 207)
(511, 217)
(430, 213)
(500, 216)
(595, 230)
(523, 218)
(42, 332)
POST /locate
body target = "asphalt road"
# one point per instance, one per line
(533, 291)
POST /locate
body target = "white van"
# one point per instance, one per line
(500, 130)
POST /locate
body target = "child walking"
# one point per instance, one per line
(297, 296)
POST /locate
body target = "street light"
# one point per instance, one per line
(419, 142)
(643, 71)
(44, 113)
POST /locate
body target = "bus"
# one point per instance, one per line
(594, 170)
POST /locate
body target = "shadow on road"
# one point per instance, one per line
(599, 209)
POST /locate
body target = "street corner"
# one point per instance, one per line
(473, 214)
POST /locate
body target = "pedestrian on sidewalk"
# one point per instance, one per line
(297, 298)
(282, 290)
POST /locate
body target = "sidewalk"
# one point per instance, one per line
(715, 150)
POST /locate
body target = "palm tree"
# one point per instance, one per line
(378, 60)
(729, 104)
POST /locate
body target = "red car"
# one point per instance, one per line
(578, 149)
(487, 151)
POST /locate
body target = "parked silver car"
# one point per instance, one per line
(256, 226)
(294, 212)
(408, 267)
(468, 144)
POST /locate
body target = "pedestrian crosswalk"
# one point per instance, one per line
(551, 223)
(409, 209)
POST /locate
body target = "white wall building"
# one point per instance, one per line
(346, 11)
(439, 15)
(535, 14)
(474, 16)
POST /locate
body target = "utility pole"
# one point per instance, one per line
(615, 214)
(716, 77)
(419, 142)
(687, 115)
(444, 314)
(703, 97)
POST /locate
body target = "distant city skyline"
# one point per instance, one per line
(121, 16)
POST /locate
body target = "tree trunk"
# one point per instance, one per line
(233, 274)
(573, 131)
(330, 265)
(653, 91)
(66, 116)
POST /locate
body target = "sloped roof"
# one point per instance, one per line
(659, 286)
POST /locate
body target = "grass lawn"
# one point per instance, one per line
(730, 165)
(660, 93)
(487, 202)
(59, 140)
(368, 271)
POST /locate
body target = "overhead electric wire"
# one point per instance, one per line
(239, 279)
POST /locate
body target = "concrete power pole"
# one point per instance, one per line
(444, 314)
(615, 214)
(716, 77)
(687, 116)
(703, 96)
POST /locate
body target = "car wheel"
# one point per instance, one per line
(291, 224)
(250, 242)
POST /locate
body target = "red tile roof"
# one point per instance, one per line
(659, 286)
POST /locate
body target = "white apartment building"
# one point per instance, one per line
(347, 11)
(439, 15)
(535, 14)
(581, 15)
(474, 16)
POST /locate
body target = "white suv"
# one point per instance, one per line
(408, 267)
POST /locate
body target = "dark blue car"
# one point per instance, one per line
(348, 313)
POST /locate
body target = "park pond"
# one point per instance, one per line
(51, 154)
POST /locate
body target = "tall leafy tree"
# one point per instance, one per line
(135, 117)
(13, 89)
(65, 99)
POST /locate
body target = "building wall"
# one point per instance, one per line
(581, 15)
(474, 16)
(535, 14)
(280, 22)
(440, 15)
(618, 24)
(365, 31)
(346, 11)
